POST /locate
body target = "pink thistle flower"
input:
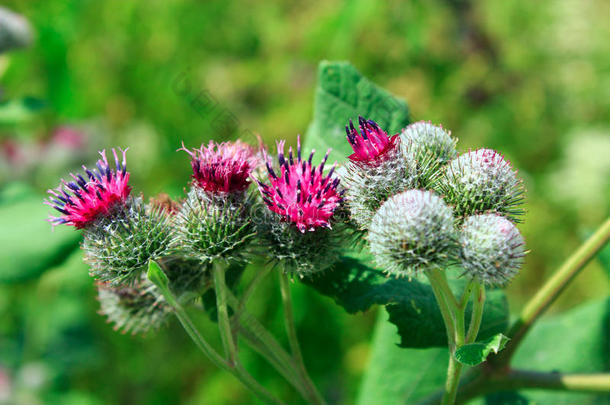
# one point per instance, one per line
(81, 202)
(301, 193)
(222, 167)
(371, 143)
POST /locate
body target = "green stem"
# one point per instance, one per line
(477, 312)
(209, 351)
(440, 277)
(552, 289)
(313, 394)
(466, 294)
(453, 379)
(446, 310)
(224, 325)
(481, 383)
(453, 316)
(525, 379)
(265, 344)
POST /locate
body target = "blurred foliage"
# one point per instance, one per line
(527, 78)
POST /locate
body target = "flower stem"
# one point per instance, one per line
(551, 290)
(265, 344)
(238, 371)
(477, 312)
(313, 394)
(446, 310)
(224, 325)
(453, 316)
(466, 294)
(485, 383)
(453, 379)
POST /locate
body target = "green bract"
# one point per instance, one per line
(492, 248)
(412, 231)
(300, 253)
(118, 247)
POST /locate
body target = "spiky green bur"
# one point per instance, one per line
(481, 181)
(413, 231)
(492, 248)
(119, 246)
(369, 184)
(429, 147)
(214, 227)
(133, 309)
(299, 253)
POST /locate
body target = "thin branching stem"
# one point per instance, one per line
(313, 394)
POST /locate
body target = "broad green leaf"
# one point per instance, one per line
(342, 94)
(411, 305)
(398, 376)
(576, 341)
(29, 244)
(476, 353)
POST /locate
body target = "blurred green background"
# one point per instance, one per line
(531, 79)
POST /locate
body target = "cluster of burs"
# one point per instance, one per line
(424, 206)
(418, 204)
(186, 239)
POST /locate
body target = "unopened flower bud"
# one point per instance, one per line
(481, 181)
(428, 147)
(133, 309)
(492, 248)
(412, 231)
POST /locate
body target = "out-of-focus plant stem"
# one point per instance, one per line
(313, 395)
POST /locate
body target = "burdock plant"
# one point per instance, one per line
(440, 227)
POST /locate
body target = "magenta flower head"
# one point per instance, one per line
(371, 144)
(300, 192)
(222, 167)
(81, 202)
(302, 203)
(214, 221)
